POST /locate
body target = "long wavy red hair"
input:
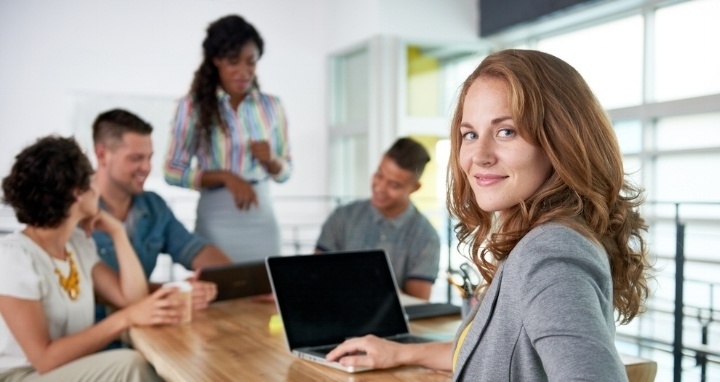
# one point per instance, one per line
(554, 108)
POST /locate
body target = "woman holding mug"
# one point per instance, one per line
(50, 274)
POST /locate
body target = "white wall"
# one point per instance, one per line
(54, 53)
(62, 62)
(354, 21)
(449, 21)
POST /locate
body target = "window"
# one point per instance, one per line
(688, 132)
(349, 110)
(629, 135)
(655, 70)
(609, 57)
(350, 90)
(686, 61)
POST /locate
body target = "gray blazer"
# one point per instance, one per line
(547, 315)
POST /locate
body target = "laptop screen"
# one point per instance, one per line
(325, 298)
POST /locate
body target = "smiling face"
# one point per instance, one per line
(502, 168)
(126, 163)
(391, 187)
(237, 71)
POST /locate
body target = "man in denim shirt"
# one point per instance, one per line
(123, 148)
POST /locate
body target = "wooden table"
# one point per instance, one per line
(232, 341)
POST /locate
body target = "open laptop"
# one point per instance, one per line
(326, 298)
(238, 280)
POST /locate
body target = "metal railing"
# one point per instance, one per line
(703, 353)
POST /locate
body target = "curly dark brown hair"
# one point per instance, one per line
(43, 182)
(225, 38)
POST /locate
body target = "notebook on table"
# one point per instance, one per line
(326, 298)
(433, 309)
(238, 280)
(417, 308)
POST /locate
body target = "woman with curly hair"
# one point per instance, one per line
(238, 137)
(536, 182)
(50, 274)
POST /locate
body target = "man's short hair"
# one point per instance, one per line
(409, 155)
(112, 124)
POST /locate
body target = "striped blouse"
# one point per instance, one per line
(258, 117)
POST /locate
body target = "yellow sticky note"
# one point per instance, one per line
(275, 324)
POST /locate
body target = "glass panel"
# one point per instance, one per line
(608, 56)
(686, 178)
(349, 167)
(455, 73)
(629, 135)
(632, 167)
(701, 242)
(351, 88)
(423, 84)
(688, 131)
(686, 61)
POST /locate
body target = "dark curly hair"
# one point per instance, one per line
(225, 38)
(42, 183)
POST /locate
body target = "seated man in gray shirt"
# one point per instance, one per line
(390, 221)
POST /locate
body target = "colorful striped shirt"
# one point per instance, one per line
(259, 117)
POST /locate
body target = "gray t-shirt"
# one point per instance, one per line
(410, 241)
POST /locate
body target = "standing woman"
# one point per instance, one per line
(238, 137)
(50, 273)
(537, 185)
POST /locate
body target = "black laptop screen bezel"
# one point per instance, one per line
(326, 298)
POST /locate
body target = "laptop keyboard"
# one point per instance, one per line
(323, 350)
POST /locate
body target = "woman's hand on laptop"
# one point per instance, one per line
(368, 351)
(378, 353)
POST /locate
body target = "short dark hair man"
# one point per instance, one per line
(389, 221)
(123, 147)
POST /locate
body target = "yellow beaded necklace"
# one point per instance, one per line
(71, 282)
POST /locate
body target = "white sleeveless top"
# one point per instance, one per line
(28, 272)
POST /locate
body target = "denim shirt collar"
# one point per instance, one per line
(138, 209)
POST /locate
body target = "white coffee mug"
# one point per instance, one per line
(184, 293)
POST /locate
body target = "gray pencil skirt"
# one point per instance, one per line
(244, 235)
